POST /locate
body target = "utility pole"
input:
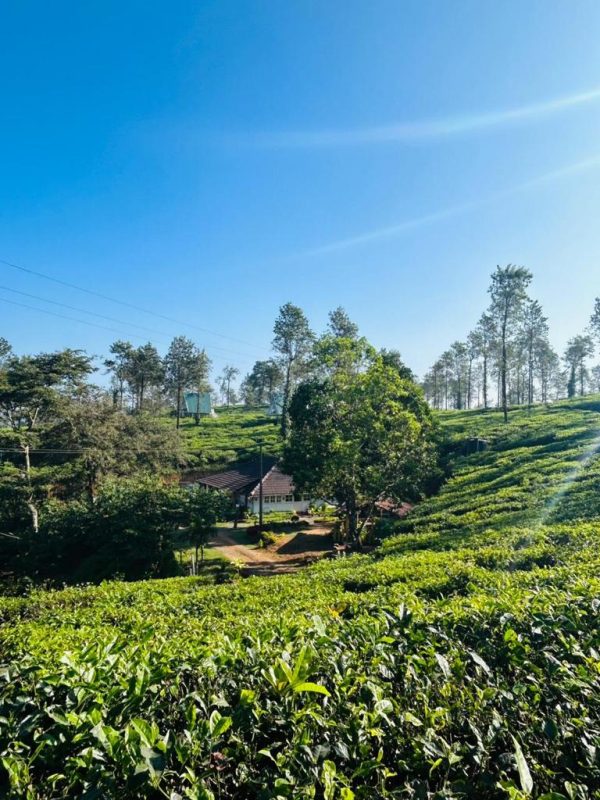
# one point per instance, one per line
(260, 490)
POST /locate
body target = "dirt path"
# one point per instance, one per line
(229, 548)
(292, 551)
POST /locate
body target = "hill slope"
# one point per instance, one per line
(461, 660)
(232, 434)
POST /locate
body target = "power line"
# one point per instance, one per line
(64, 316)
(83, 450)
(123, 303)
(87, 322)
(81, 310)
(100, 316)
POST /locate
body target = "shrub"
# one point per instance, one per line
(268, 538)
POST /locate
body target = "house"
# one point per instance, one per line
(239, 480)
(243, 480)
(278, 494)
(198, 403)
(390, 508)
(276, 405)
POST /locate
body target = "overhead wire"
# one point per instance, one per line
(81, 310)
(87, 322)
(63, 316)
(124, 303)
(81, 450)
(212, 348)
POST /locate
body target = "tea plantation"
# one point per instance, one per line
(232, 434)
(460, 660)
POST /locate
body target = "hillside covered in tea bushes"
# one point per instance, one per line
(459, 660)
(232, 434)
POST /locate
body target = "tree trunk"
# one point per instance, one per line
(286, 400)
(197, 414)
(503, 367)
(352, 517)
(469, 379)
(485, 381)
(35, 520)
(544, 384)
(530, 379)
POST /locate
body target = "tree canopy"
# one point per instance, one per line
(359, 437)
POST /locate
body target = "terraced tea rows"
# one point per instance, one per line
(460, 660)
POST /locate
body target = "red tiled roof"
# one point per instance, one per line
(275, 482)
(239, 477)
(392, 507)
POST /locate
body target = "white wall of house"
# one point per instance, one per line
(280, 503)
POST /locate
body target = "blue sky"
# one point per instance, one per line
(210, 161)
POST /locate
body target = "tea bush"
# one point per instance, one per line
(460, 660)
(232, 435)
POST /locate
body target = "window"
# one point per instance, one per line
(306, 497)
(278, 499)
(289, 498)
(266, 499)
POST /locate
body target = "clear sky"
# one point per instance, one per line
(209, 161)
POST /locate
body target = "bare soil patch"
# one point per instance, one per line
(292, 551)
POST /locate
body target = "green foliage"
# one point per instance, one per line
(125, 533)
(232, 435)
(259, 386)
(541, 467)
(459, 661)
(268, 538)
(205, 510)
(359, 436)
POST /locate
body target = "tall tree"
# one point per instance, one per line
(119, 365)
(32, 389)
(227, 376)
(578, 350)
(482, 339)
(472, 353)
(180, 364)
(205, 509)
(534, 337)
(432, 384)
(359, 438)
(5, 349)
(459, 366)
(292, 342)
(595, 320)
(261, 383)
(272, 377)
(146, 369)
(98, 441)
(340, 347)
(200, 379)
(340, 324)
(508, 292)
(447, 366)
(393, 358)
(548, 365)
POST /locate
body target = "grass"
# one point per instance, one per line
(461, 660)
